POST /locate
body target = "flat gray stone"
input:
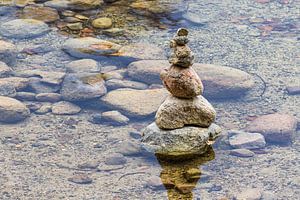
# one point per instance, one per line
(181, 142)
(49, 77)
(88, 47)
(80, 87)
(23, 28)
(276, 128)
(48, 97)
(74, 4)
(249, 194)
(83, 65)
(241, 139)
(135, 103)
(7, 89)
(12, 110)
(65, 108)
(113, 84)
(8, 52)
(4, 70)
(243, 153)
(114, 118)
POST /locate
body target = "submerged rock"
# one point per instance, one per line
(243, 153)
(12, 110)
(223, 82)
(8, 52)
(113, 84)
(89, 47)
(80, 179)
(102, 23)
(65, 108)
(25, 96)
(135, 103)
(141, 51)
(49, 77)
(115, 159)
(48, 97)
(240, 139)
(128, 148)
(83, 65)
(176, 113)
(23, 28)
(7, 89)
(249, 194)
(179, 143)
(45, 14)
(147, 71)
(4, 70)
(17, 82)
(80, 87)
(114, 118)
(278, 128)
(74, 4)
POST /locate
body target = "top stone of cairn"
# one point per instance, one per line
(182, 55)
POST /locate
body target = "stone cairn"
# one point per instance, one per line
(184, 122)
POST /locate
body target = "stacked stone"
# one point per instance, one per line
(185, 105)
(184, 122)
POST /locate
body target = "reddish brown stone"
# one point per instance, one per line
(278, 128)
(182, 82)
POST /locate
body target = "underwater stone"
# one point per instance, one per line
(8, 52)
(243, 153)
(140, 51)
(180, 143)
(23, 28)
(79, 87)
(224, 82)
(240, 139)
(83, 65)
(141, 103)
(41, 13)
(89, 47)
(65, 108)
(4, 70)
(277, 128)
(114, 118)
(102, 23)
(12, 110)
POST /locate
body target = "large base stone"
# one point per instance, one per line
(179, 143)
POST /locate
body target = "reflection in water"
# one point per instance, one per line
(181, 177)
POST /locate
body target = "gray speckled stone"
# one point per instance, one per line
(23, 28)
(4, 70)
(179, 142)
(79, 87)
(12, 110)
(240, 139)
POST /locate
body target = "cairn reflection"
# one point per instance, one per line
(180, 177)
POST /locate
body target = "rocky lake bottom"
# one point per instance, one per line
(78, 86)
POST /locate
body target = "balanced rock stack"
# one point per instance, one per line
(184, 122)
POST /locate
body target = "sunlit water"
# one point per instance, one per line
(39, 157)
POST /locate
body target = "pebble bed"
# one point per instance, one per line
(95, 153)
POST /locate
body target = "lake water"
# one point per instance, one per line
(64, 150)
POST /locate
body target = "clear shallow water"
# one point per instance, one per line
(40, 155)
